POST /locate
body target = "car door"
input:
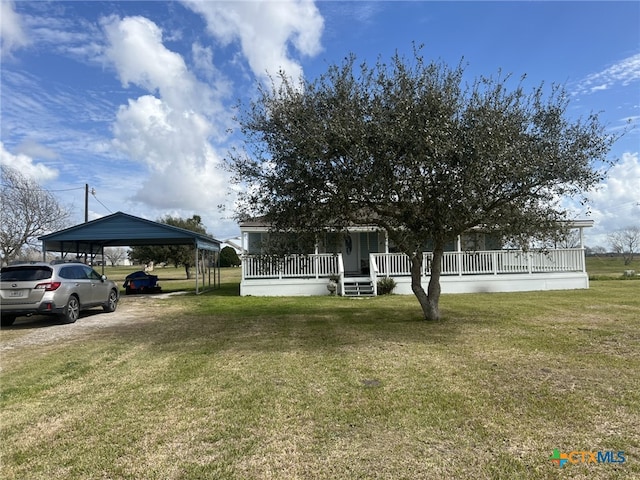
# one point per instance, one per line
(77, 282)
(99, 288)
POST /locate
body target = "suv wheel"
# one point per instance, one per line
(7, 321)
(112, 302)
(72, 310)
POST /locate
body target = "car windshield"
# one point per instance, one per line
(25, 273)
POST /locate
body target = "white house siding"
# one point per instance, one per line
(286, 287)
(450, 285)
(491, 283)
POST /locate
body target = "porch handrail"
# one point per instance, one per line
(485, 262)
(340, 275)
(481, 262)
(373, 273)
(318, 265)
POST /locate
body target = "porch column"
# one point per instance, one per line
(244, 242)
(582, 253)
(459, 255)
(316, 258)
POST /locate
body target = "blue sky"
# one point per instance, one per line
(136, 99)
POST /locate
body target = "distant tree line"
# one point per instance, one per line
(624, 242)
(176, 255)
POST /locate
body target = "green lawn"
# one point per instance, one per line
(606, 266)
(218, 386)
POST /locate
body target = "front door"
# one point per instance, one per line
(351, 253)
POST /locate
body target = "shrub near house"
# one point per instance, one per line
(229, 258)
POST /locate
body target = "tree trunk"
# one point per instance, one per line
(434, 282)
(187, 269)
(428, 302)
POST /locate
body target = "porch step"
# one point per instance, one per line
(358, 288)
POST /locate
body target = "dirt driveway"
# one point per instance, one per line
(43, 330)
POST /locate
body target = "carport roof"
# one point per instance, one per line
(121, 229)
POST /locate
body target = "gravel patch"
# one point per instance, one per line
(43, 330)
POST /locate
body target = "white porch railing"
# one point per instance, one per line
(289, 266)
(494, 262)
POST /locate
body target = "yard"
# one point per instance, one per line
(218, 386)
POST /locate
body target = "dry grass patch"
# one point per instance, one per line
(218, 386)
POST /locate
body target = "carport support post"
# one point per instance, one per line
(197, 268)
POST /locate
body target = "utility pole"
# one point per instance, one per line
(86, 202)
(86, 211)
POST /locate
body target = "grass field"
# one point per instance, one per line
(217, 386)
(603, 267)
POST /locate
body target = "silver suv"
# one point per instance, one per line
(58, 288)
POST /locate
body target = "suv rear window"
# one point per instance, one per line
(73, 272)
(25, 273)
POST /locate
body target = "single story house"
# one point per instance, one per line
(356, 259)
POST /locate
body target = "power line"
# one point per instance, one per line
(38, 187)
(64, 190)
(93, 192)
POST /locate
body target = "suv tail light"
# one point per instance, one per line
(48, 287)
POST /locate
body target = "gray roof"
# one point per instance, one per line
(120, 229)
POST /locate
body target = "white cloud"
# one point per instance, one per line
(203, 60)
(616, 204)
(12, 34)
(265, 31)
(150, 130)
(26, 166)
(185, 171)
(135, 48)
(71, 36)
(36, 150)
(168, 130)
(598, 88)
(624, 73)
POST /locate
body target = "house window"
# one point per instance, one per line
(332, 242)
(254, 246)
(273, 243)
(472, 242)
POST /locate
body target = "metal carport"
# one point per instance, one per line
(120, 230)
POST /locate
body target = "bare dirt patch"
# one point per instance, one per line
(44, 330)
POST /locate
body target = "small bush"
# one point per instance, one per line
(386, 286)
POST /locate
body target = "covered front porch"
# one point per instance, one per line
(356, 260)
(462, 272)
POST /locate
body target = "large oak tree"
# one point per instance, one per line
(410, 147)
